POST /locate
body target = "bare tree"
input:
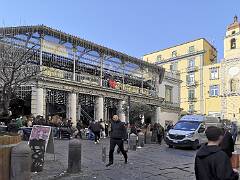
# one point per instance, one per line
(137, 110)
(18, 66)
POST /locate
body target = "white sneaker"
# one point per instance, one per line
(98, 141)
(95, 142)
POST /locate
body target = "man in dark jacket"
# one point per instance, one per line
(117, 135)
(227, 143)
(211, 163)
(95, 127)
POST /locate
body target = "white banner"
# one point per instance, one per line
(54, 48)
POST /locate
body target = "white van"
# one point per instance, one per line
(189, 131)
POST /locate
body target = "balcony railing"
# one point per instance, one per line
(191, 83)
(175, 74)
(192, 99)
(171, 104)
(95, 80)
(191, 69)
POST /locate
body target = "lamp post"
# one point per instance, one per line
(129, 103)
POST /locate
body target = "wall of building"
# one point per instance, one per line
(212, 104)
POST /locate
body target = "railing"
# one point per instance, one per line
(95, 80)
(191, 69)
(171, 104)
(191, 83)
(175, 75)
(85, 114)
(192, 99)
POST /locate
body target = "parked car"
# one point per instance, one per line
(189, 131)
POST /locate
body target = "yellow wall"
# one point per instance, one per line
(212, 104)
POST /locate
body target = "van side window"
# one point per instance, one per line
(202, 128)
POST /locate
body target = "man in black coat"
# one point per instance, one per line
(227, 143)
(118, 134)
(211, 163)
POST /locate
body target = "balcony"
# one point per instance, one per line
(191, 83)
(191, 69)
(192, 99)
(170, 104)
(191, 111)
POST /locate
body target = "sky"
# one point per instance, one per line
(135, 27)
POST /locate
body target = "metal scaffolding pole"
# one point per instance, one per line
(74, 62)
(101, 69)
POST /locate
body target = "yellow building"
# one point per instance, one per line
(195, 61)
(207, 87)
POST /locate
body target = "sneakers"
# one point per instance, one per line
(98, 141)
(95, 142)
(109, 164)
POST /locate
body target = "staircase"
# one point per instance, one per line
(86, 116)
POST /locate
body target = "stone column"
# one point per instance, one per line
(121, 112)
(73, 108)
(99, 104)
(39, 101)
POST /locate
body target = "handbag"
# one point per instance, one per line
(235, 161)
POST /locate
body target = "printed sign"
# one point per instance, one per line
(42, 132)
(54, 48)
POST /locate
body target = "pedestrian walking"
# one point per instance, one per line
(234, 131)
(103, 135)
(211, 163)
(95, 127)
(160, 133)
(227, 143)
(117, 136)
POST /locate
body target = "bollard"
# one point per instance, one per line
(133, 142)
(21, 162)
(104, 154)
(141, 139)
(37, 154)
(148, 138)
(74, 156)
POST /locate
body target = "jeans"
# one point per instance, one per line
(113, 143)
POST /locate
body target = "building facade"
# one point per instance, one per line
(207, 87)
(189, 60)
(82, 80)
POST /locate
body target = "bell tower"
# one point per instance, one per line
(232, 40)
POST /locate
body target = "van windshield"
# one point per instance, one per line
(186, 125)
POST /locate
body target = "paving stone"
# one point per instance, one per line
(152, 162)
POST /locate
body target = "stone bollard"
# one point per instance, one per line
(104, 154)
(141, 139)
(74, 156)
(133, 142)
(148, 138)
(21, 162)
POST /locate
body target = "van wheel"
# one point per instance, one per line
(195, 145)
(170, 146)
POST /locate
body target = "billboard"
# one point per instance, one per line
(54, 48)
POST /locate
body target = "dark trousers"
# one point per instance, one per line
(113, 143)
(97, 136)
(159, 137)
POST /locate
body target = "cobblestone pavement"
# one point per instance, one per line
(150, 162)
